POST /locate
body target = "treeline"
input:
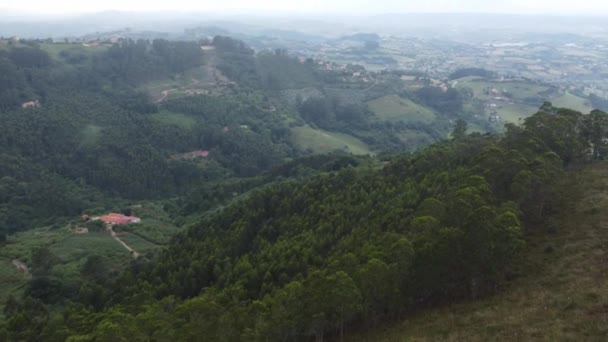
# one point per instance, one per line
(448, 102)
(28, 73)
(271, 71)
(214, 194)
(465, 72)
(135, 62)
(25, 73)
(303, 259)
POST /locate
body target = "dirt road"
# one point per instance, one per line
(21, 266)
(115, 236)
(164, 94)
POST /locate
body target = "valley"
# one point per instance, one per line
(232, 182)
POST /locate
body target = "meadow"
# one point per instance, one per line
(320, 141)
(395, 108)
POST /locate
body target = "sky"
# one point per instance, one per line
(346, 7)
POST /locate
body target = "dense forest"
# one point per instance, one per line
(277, 243)
(314, 257)
(79, 130)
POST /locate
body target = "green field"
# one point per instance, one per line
(156, 232)
(11, 281)
(394, 108)
(320, 141)
(20, 245)
(515, 90)
(70, 250)
(75, 248)
(175, 119)
(514, 112)
(568, 100)
(137, 243)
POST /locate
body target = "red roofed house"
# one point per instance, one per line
(203, 153)
(113, 218)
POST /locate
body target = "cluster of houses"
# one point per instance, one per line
(113, 219)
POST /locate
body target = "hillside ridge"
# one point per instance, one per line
(561, 295)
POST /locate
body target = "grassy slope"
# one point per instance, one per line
(176, 119)
(514, 112)
(394, 108)
(569, 100)
(518, 90)
(562, 296)
(320, 141)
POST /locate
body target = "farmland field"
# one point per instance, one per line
(153, 231)
(569, 100)
(78, 247)
(515, 90)
(514, 112)
(320, 141)
(137, 243)
(68, 250)
(394, 108)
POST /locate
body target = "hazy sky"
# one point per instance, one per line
(315, 6)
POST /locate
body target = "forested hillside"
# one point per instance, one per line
(90, 125)
(282, 198)
(308, 258)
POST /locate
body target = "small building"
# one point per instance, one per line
(31, 104)
(120, 219)
(494, 117)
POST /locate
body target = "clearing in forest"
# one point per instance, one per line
(395, 108)
(320, 141)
